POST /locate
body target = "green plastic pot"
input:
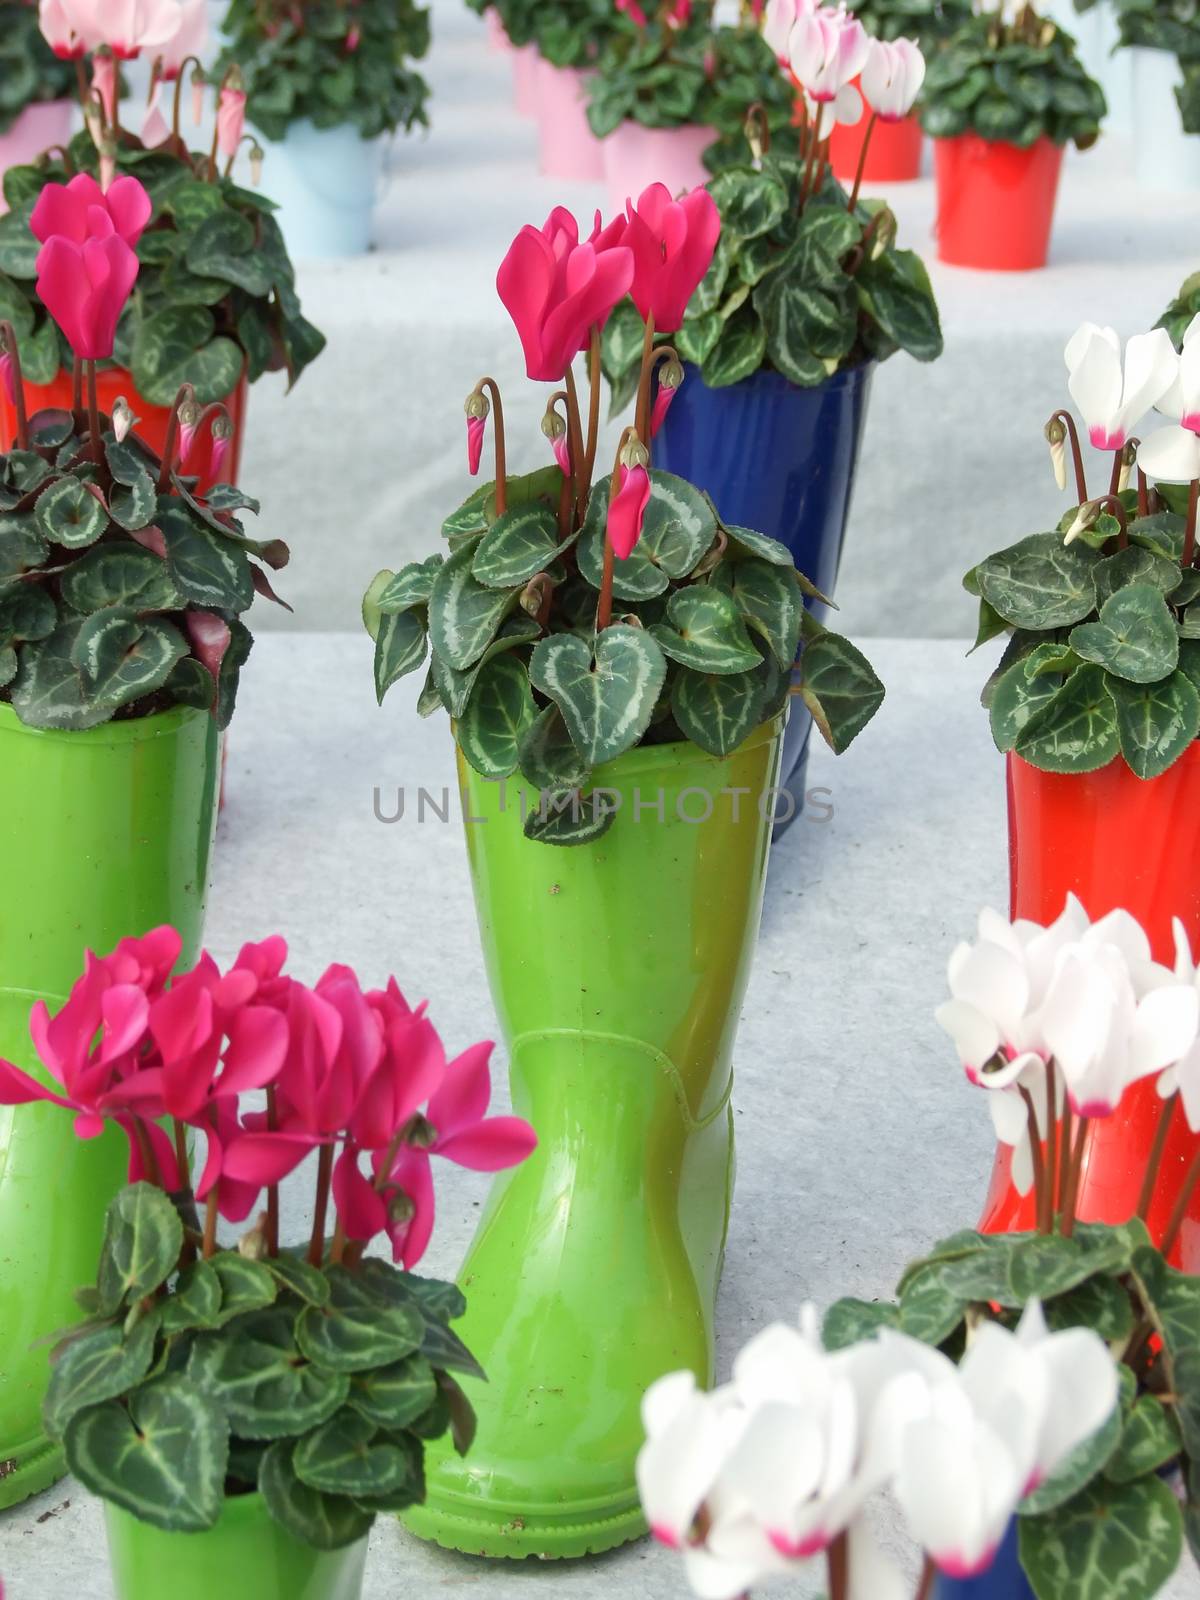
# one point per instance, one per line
(104, 833)
(618, 971)
(246, 1554)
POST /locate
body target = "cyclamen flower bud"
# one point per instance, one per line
(222, 436)
(1085, 520)
(1056, 438)
(189, 418)
(555, 430)
(476, 408)
(1128, 461)
(256, 164)
(627, 507)
(669, 378)
(122, 419)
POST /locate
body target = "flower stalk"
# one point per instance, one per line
(10, 349)
(1067, 421)
(492, 388)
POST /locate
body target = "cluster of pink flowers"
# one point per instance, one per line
(826, 49)
(88, 264)
(560, 290)
(347, 1071)
(170, 29)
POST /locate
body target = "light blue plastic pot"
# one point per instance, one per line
(325, 182)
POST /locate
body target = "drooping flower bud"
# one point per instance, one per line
(627, 508)
(1084, 521)
(670, 376)
(476, 407)
(256, 164)
(1128, 462)
(189, 418)
(123, 419)
(1056, 438)
(222, 437)
(555, 430)
(353, 38)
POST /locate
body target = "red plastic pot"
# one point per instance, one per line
(995, 202)
(152, 427)
(1114, 840)
(893, 155)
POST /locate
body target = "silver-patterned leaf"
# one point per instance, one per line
(464, 615)
(607, 699)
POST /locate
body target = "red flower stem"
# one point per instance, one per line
(1189, 532)
(1039, 1164)
(493, 389)
(97, 444)
(1051, 1147)
(316, 1244)
(1068, 422)
(1114, 481)
(813, 148)
(1143, 494)
(77, 385)
(210, 1224)
(925, 1582)
(1181, 1205)
(188, 61)
(181, 1155)
(1064, 1154)
(338, 1248)
(862, 162)
(1154, 1159)
(82, 86)
(272, 1189)
(8, 343)
(184, 394)
(642, 413)
(1074, 1174)
(578, 455)
(146, 1150)
(593, 433)
(838, 1565)
(383, 1176)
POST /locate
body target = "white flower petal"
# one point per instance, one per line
(1164, 1029)
(1151, 366)
(1170, 455)
(1095, 385)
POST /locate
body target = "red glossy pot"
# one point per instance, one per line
(893, 155)
(112, 383)
(1115, 840)
(995, 202)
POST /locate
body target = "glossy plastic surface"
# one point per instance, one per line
(40, 125)
(325, 183)
(780, 459)
(1166, 159)
(247, 1556)
(995, 202)
(1116, 841)
(103, 834)
(635, 157)
(112, 383)
(618, 971)
(524, 65)
(1003, 1580)
(893, 156)
(567, 146)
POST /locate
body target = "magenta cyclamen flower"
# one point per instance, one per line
(627, 509)
(476, 428)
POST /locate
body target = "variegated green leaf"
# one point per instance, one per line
(1110, 1542)
(208, 570)
(328, 1522)
(400, 647)
(162, 1457)
(768, 597)
(745, 541)
(26, 612)
(446, 1352)
(564, 818)
(1019, 691)
(501, 709)
(133, 505)
(121, 575)
(455, 688)
(246, 1285)
(840, 688)
(678, 527)
(68, 513)
(348, 1455)
(848, 1321)
(1040, 582)
(607, 699)
(1076, 729)
(1156, 722)
(1135, 637)
(546, 756)
(123, 658)
(260, 1378)
(142, 1240)
(306, 1282)
(521, 542)
(360, 1328)
(717, 712)
(411, 586)
(704, 631)
(392, 1397)
(22, 548)
(99, 1365)
(739, 352)
(195, 1302)
(464, 615)
(48, 691)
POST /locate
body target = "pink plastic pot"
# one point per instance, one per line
(525, 63)
(635, 157)
(496, 37)
(569, 148)
(45, 123)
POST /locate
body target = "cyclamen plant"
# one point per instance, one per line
(216, 296)
(30, 72)
(121, 585)
(570, 623)
(310, 1372)
(806, 280)
(1050, 1376)
(1103, 657)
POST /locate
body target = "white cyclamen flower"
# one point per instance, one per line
(1113, 397)
(1184, 1075)
(1172, 455)
(827, 50)
(892, 78)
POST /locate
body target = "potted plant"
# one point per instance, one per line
(215, 304)
(896, 144)
(511, 25)
(1001, 101)
(1163, 42)
(122, 591)
(613, 659)
(325, 84)
(1028, 1401)
(36, 88)
(245, 1411)
(1094, 702)
(805, 293)
(669, 97)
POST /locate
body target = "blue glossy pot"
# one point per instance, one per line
(779, 459)
(1003, 1580)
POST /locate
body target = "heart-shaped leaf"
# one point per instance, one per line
(411, 586)
(1040, 582)
(98, 1366)
(716, 712)
(1110, 1540)
(48, 690)
(196, 1301)
(1149, 1440)
(400, 646)
(306, 1282)
(328, 1522)
(501, 709)
(546, 756)
(850, 1321)
(704, 631)
(745, 541)
(134, 507)
(518, 544)
(607, 699)
(348, 1455)
(142, 1240)
(120, 575)
(1135, 565)
(162, 1458)
(1156, 721)
(179, 344)
(68, 513)
(26, 612)
(246, 1285)
(123, 659)
(394, 1396)
(1076, 729)
(224, 246)
(359, 1329)
(768, 597)
(208, 570)
(1018, 692)
(1135, 637)
(678, 526)
(455, 688)
(22, 548)
(464, 615)
(840, 688)
(569, 819)
(260, 1379)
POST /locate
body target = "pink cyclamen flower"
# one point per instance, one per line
(892, 78)
(221, 440)
(476, 428)
(85, 289)
(672, 243)
(627, 509)
(633, 11)
(68, 27)
(557, 290)
(130, 26)
(188, 39)
(82, 210)
(562, 452)
(155, 128)
(210, 638)
(231, 119)
(662, 404)
(353, 38)
(827, 50)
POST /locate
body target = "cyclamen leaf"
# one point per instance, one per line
(48, 691)
(1156, 722)
(123, 659)
(119, 575)
(840, 688)
(547, 758)
(69, 514)
(98, 1366)
(717, 712)
(1016, 695)
(1109, 1542)
(261, 1381)
(1076, 729)
(521, 542)
(328, 1522)
(1135, 636)
(207, 570)
(768, 597)
(142, 1240)
(1040, 583)
(464, 615)
(849, 1321)
(607, 699)
(359, 1329)
(703, 631)
(500, 710)
(347, 1455)
(392, 1397)
(400, 648)
(567, 820)
(246, 1285)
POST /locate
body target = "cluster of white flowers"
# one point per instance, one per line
(1084, 998)
(767, 1471)
(826, 48)
(1115, 391)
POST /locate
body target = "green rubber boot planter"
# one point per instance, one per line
(102, 834)
(246, 1555)
(618, 970)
